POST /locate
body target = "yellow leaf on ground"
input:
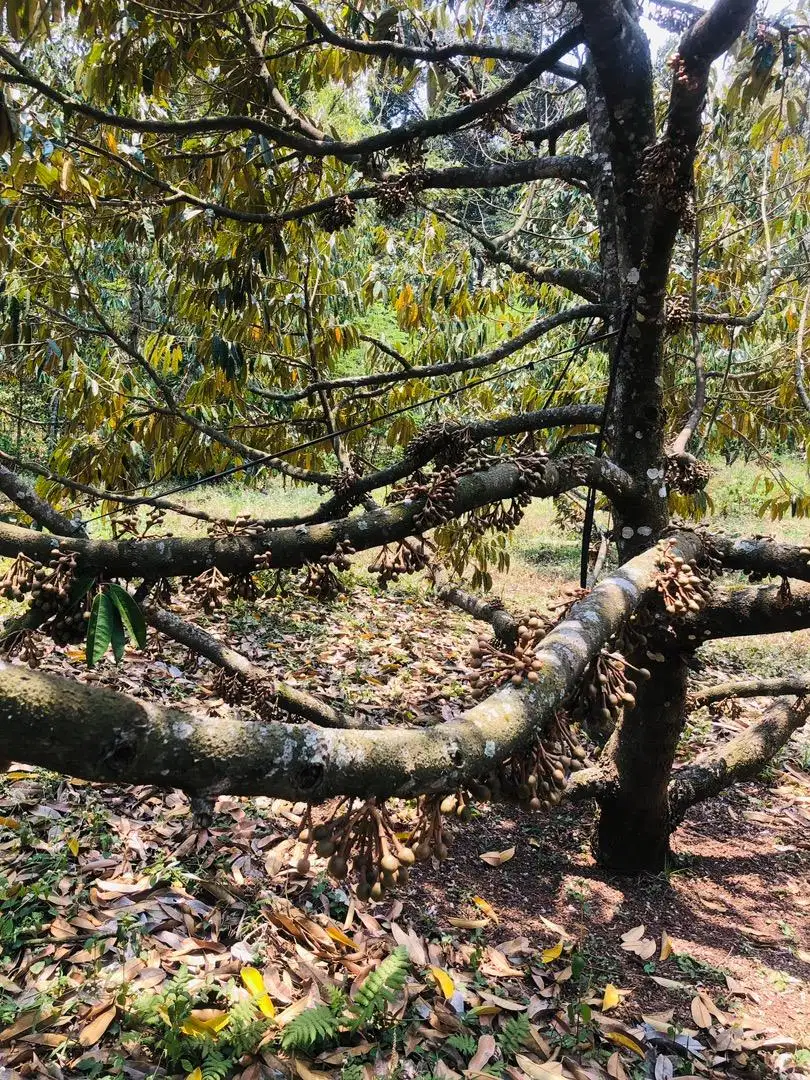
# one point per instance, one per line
(497, 858)
(254, 981)
(468, 924)
(666, 946)
(486, 907)
(552, 953)
(92, 1032)
(537, 1070)
(9, 823)
(620, 1038)
(73, 846)
(336, 934)
(610, 998)
(448, 987)
(205, 1022)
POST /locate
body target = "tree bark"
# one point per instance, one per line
(634, 823)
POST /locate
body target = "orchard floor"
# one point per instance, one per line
(108, 893)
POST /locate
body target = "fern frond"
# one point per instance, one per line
(381, 986)
(464, 1042)
(310, 1027)
(514, 1035)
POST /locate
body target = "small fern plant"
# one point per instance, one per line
(514, 1036)
(379, 988)
(322, 1023)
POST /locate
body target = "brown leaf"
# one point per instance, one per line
(497, 858)
(486, 1048)
(615, 1068)
(92, 1032)
(700, 1014)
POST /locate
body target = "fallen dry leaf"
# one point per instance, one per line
(497, 858)
(92, 1032)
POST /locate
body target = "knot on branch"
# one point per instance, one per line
(685, 474)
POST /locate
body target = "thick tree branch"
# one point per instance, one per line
(289, 547)
(502, 622)
(40, 511)
(435, 54)
(741, 758)
(745, 612)
(763, 555)
(101, 735)
(787, 684)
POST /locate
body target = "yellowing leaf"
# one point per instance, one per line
(73, 846)
(254, 981)
(196, 1074)
(109, 139)
(610, 998)
(205, 1022)
(337, 934)
(487, 908)
(497, 858)
(627, 1041)
(448, 987)
(9, 823)
(666, 946)
(553, 952)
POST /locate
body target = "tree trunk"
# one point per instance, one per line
(634, 825)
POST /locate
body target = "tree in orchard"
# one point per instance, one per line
(437, 262)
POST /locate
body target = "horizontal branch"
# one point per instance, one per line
(746, 688)
(762, 555)
(472, 433)
(293, 140)
(451, 367)
(435, 54)
(502, 622)
(745, 612)
(290, 547)
(741, 758)
(101, 735)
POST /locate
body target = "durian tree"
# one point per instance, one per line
(435, 261)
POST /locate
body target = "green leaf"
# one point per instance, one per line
(118, 636)
(99, 628)
(131, 615)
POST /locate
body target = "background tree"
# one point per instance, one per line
(385, 252)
